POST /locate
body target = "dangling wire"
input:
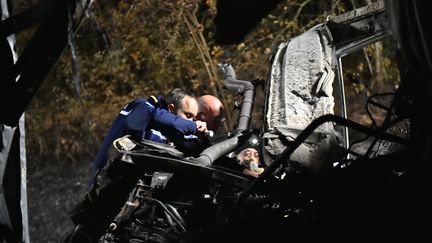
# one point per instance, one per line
(387, 123)
(178, 221)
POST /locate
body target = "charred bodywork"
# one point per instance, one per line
(314, 187)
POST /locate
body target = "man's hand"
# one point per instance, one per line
(201, 126)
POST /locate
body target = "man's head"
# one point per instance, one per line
(248, 154)
(211, 111)
(182, 103)
(249, 150)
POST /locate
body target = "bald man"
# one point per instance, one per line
(211, 111)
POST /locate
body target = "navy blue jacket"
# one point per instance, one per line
(143, 119)
(191, 145)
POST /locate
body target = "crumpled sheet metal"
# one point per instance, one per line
(299, 90)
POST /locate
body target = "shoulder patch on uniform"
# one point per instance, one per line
(154, 99)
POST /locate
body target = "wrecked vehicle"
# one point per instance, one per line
(315, 186)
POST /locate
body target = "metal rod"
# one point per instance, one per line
(305, 134)
(342, 101)
(355, 46)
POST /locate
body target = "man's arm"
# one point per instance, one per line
(144, 113)
(180, 124)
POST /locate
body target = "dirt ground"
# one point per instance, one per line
(52, 190)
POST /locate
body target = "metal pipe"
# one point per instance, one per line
(355, 46)
(342, 100)
(244, 88)
(214, 152)
(247, 90)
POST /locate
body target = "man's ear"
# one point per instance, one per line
(171, 108)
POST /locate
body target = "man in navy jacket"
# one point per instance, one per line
(146, 118)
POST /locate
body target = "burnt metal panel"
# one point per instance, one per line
(299, 90)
